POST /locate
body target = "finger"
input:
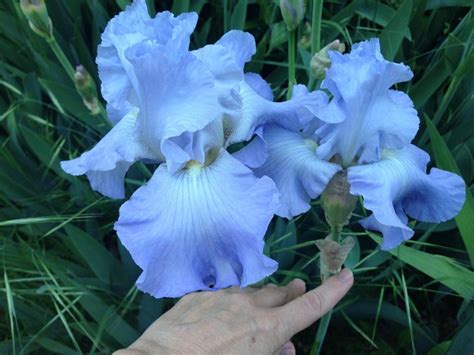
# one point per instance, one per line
(305, 310)
(273, 296)
(237, 289)
(287, 349)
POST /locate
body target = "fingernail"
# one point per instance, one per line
(345, 275)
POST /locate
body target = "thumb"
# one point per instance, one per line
(306, 309)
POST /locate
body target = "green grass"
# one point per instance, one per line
(68, 284)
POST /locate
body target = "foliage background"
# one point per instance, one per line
(68, 284)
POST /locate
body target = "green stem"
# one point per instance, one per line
(69, 68)
(316, 26)
(315, 35)
(291, 62)
(62, 58)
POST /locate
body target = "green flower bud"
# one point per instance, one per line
(37, 14)
(305, 38)
(85, 86)
(337, 201)
(320, 61)
(292, 12)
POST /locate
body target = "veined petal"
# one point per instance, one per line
(398, 185)
(106, 164)
(177, 93)
(200, 228)
(376, 118)
(255, 153)
(126, 29)
(298, 173)
(257, 109)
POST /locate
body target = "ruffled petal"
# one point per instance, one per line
(122, 32)
(200, 228)
(376, 118)
(241, 46)
(255, 153)
(177, 94)
(398, 185)
(257, 110)
(106, 164)
(198, 146)
(296, 170)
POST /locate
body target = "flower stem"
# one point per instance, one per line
(291, 62)
(316, 26)
(62, 58)
(69, 68)
(315, 35)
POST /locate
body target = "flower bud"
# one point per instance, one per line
(292, 12)
(85, 85)
(320, 61)
(337, 201)
(37, 14)
(305, 38)
(333, 255)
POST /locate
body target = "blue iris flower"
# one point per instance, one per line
(199, 223)
(371, 138)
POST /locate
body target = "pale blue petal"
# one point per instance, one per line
(122, 32)
(255, 153)
(241, 46)
(258, 110)
(259, 85)
(177, 94)
(375, 118)
(193, 146)
(200, 228)
(296, 170)
(106, 164)
(398, 185)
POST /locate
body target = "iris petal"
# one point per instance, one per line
(398, 185)
(106, 164)
(177, 93)
(122, 32)
(376, 118)
(258, 110)
(296, 170)
(200, 228)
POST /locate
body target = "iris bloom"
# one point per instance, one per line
(199, 223)
(372, 140)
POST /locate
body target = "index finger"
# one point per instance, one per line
(306, 309)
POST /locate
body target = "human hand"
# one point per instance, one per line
(241, 321)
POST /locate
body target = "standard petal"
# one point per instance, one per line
(126, 29)
(296, 170)
(241, 46)
(398, 185)
(257, 110)
(200, 228)
(177, 93)
(375, 118)
(106, 164)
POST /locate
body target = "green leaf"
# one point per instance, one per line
(99, 259)
(463, 341)
(392, 35)
(444, 160)
(237, 20)
(441, 268)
